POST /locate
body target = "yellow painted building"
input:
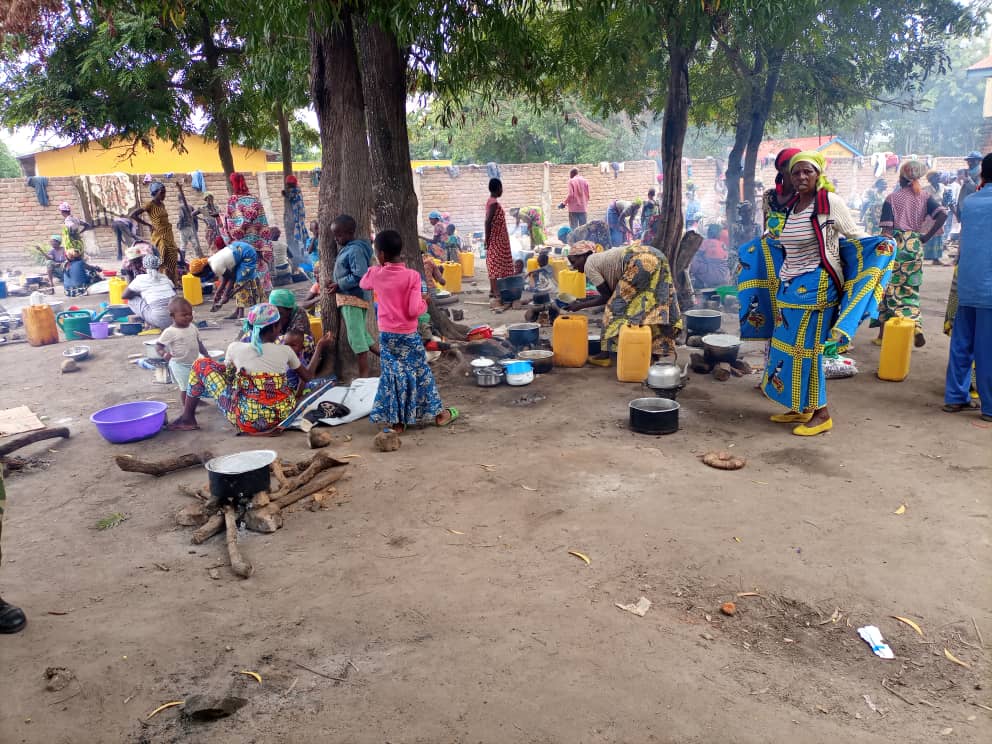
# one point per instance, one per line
(200, 155)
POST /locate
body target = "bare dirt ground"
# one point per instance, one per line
(442, 597)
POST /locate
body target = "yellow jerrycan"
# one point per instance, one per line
(192, 289)
(570, 340)
(633, 353)
(467, 260)
(452, 276)
(897, 348)
(572, 282)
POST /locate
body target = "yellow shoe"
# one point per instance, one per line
(811, 431)
(600, 362)
(877, 341)
(791, 418)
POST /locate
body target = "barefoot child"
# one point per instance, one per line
(180, 344)
(407, 392)
(354, 256)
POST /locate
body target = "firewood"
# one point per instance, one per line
(192, 515)
(35, 436)
(319, 483)
(319, 463)
(194, 493)
(161, 467)
(722, 372)
(259, 500)
(208, 529)
(266, 519)
(239, 565)
(278, 472)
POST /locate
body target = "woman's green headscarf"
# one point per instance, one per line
(282, 298)
(817, 161)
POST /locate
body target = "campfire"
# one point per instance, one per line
(255, 502)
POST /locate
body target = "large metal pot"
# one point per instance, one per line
(654, 416)
(488, 376)
(525, 334)
(721, 347)
(542, 360)
(701, 322)
(236, 478)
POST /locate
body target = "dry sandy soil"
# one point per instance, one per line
(442, 596)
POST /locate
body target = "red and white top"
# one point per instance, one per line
(798, 238)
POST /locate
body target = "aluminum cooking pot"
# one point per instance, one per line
(488, 376)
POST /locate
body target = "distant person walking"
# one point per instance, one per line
(499, 258)
(577, 201)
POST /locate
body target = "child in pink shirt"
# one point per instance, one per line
(407, 391)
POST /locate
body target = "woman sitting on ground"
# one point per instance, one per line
(635, 285)
(252, 388)
(149, 294)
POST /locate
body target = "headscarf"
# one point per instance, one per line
(291, 181)
(913, 171)
(65, 207)
(137, 250)
(154, 187)
(282, 298)
(783, 157)
(56, 237)
(151, 262)
(207, 195)
(238, 184)
(582, 247)
(197, 265)
(259, 318)
(435, 215)
(563, 233)
(817, 161)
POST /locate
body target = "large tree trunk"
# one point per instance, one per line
(345, 182)
(216, 93)
(223, 127)
(742, 133)
(674, 126)
(384, 70)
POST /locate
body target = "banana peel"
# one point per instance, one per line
(910, 623)
(951, 657)
(900, 510)
(255, 675)
(165, 706)
(581, 556)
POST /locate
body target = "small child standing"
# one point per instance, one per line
(407, 391)
(180, 344)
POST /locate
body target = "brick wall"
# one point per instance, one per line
(24, 222)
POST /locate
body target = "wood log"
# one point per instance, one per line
(35, 436)
(308, 489)
(266, 519)
(192, 515)
(320, 462)
(741, 366)
(193, 493)
(208, 529)
(259, 500)
(278, 472)
(317, 438)
(239, 565)
(161, 467)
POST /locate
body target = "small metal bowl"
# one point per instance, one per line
(77, 353)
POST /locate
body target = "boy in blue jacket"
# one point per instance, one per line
(354, 258)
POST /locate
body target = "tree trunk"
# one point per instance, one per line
(760, 109)
(286, 148)
(742, 133)
(224, 140)
(384, 70)
(216, 93)
(345, 182)
(674, 126)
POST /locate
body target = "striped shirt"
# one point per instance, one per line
(802, 251)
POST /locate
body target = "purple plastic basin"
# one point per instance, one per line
(130, 422)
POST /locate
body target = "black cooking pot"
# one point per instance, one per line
(525, 334)
(721, 347)
(701, 322)
(236, 478)
(654, 416)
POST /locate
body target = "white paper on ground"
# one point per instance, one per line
(873, 637)
(640, 608)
